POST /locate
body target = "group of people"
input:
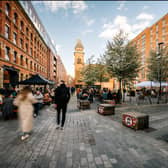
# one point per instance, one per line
(101, 94)
(29, 103)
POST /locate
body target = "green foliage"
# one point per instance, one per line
(94, 72)
(88, 72)
(157, 65)
(122, 58)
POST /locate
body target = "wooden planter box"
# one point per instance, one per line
(135, 120)
(109, 102)
(106, 109)
(83, 104)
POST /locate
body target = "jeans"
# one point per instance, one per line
(61, 108)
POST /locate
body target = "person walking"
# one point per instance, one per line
(62, 97)
(24, 101)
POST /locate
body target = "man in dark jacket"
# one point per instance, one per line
(62, 96)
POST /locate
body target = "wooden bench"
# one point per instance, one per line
(135, 120)
(83, 104)
(106, 109)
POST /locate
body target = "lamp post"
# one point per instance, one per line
(159, 71)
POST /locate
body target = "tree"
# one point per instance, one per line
(157, 65)
(88, 72)
(101, 73)
(122, 58)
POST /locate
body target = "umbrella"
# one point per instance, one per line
(151, 84)
(36, 80)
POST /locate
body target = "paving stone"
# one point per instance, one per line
(88, 140)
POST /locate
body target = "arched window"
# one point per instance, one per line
(15, 18)
(7, 9)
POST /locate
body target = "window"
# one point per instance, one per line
(21, 43)
(7, 9)
(7, 52)
(26, 47)
(31, 36)
(31, 52)
(21, 60)
(31, 65)
(34, 67)
(27, 31)
(21, 26)
(14, 38)
(7, 31)
(15, 57)
(15, 18)
(27, 62)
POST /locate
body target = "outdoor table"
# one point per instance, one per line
(83, 104)
(135, 120)
(106, 109)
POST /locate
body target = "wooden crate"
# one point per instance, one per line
(135, 120)
(83, 104)
(106, 109)
(109, 102)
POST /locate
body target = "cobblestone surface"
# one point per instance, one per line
(89, 140)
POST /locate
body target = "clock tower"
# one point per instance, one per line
(79, 61)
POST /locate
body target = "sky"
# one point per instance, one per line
(94, 23)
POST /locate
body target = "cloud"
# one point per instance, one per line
(122, 6)
(87, 31)
(145, 16)
(145, 7)
(110, 29)
(88, 21)
(55, 5)
(77, 6)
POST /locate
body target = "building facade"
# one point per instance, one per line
(78, 61)
(25, 47)
(148, 40)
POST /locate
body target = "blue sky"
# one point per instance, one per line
(94, 22)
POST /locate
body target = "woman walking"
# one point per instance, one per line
(24, 101)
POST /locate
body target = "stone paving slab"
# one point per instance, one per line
(89, 140)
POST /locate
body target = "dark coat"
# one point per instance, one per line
(62, 94)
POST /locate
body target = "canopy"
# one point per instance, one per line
(151, 84)
(36, 80)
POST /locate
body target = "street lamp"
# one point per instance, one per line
(159, 70)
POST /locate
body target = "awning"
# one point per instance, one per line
(36, 80)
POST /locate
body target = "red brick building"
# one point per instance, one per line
(148, 40)
(25, 47)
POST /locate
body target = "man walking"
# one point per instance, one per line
(62, 96)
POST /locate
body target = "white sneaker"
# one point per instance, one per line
(23, 137)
